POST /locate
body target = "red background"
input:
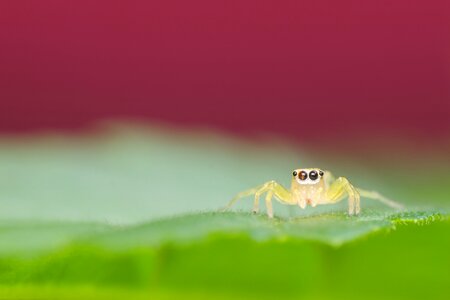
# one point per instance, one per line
(293, 67)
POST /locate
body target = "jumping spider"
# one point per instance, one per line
(312, 187)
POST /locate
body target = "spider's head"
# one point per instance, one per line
(308, 176)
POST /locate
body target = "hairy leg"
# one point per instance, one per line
(269, 204)
(255, 205)
(329, 179)
(242, 194)
(272, 188)
(376, 196)
(340, 188)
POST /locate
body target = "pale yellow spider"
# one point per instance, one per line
(313, 187)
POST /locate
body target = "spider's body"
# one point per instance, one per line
(312, 187)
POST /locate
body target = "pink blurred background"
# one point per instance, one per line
(299, 68)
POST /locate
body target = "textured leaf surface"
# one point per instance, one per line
(332, 229)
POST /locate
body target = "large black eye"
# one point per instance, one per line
(313, 175)
(294, 173)
(302, 175)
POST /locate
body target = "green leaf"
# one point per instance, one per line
(28, 238)
(134, 212)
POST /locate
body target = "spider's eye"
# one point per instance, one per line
(313, 175)
(302, 175)
(294, 173)
(321, 173)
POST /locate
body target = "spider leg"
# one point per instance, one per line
(269, 204)
(328, 178)
(341, 188)
(272, 188)
(242, 194)
(376, 196)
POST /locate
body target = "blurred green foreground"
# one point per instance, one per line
(132, 213)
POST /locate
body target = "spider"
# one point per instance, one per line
(312, 187)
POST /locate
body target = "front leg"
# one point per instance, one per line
(272, 188)
(341, 188)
